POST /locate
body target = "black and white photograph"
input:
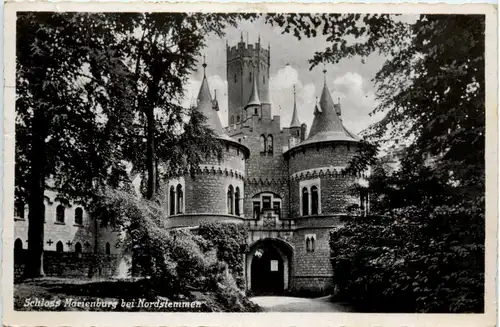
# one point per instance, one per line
(175, 161)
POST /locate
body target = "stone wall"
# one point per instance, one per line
(70, 264)
(320, 156)
(233, 158)
(264, 165)
(253, 188)
(207, 193)
(336, 194)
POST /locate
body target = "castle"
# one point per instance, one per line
(287, 186)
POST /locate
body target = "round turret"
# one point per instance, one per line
(215, 191)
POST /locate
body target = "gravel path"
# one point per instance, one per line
(296, 304)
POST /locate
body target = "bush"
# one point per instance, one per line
(413, 260)
(180, 261)
(230, 242)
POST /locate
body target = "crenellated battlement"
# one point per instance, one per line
(243, 49)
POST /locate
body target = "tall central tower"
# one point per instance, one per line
(246, 62)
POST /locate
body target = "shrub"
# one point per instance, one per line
(412, 260)
(179, 261)
(230, 242)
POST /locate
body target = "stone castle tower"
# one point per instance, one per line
(247, 65)
(286, 186)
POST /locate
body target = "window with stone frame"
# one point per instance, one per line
(310, 197)
(180, 199)
(60, 214)
(59, 247)
(79, 216)
(314, 200)
(78, 248)
(237, 202)
(310, 240)
(270, 144)
(305, 202)
(256, 210)
(172, 200)
(263, 144)
(266, 202)
(230, 200)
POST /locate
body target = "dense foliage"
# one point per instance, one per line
(97, 93)
(427, 252)
(230, 242)
(178, 262)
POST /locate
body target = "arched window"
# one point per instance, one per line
(180, 199)
(237, 202)
(250, 77)
(18, 246)
(305, 202)
(314, 200)
(60, 213)
(264, 79)
(78, 247)
(308, 244)
(235, 78)
(108, 248)
(230, 196)
(19, 208)
(231, 120)
(59, 247)
(79, 216)
(238, 119)
(255, 112)
(172, 200)
(313, 244)
(263, 144)
(270, 144)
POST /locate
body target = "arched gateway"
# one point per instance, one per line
(268, 266)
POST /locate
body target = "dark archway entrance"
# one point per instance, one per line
(268, 265)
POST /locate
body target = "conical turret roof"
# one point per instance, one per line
(207, 106)
(295, 118)
(254, 97)
(327, 125)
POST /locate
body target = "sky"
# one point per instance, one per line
(349, 81)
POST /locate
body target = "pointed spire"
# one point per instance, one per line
(204, 65)
(207, 106)
(258, 40)
(324, 74)
(254, 97)
(295, 118)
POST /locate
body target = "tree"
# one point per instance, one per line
(94, 86)
(431, 87)
(161, 53)
(70, 82)
(432, 92)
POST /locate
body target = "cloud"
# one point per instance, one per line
(351, 89)
(281, 89)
